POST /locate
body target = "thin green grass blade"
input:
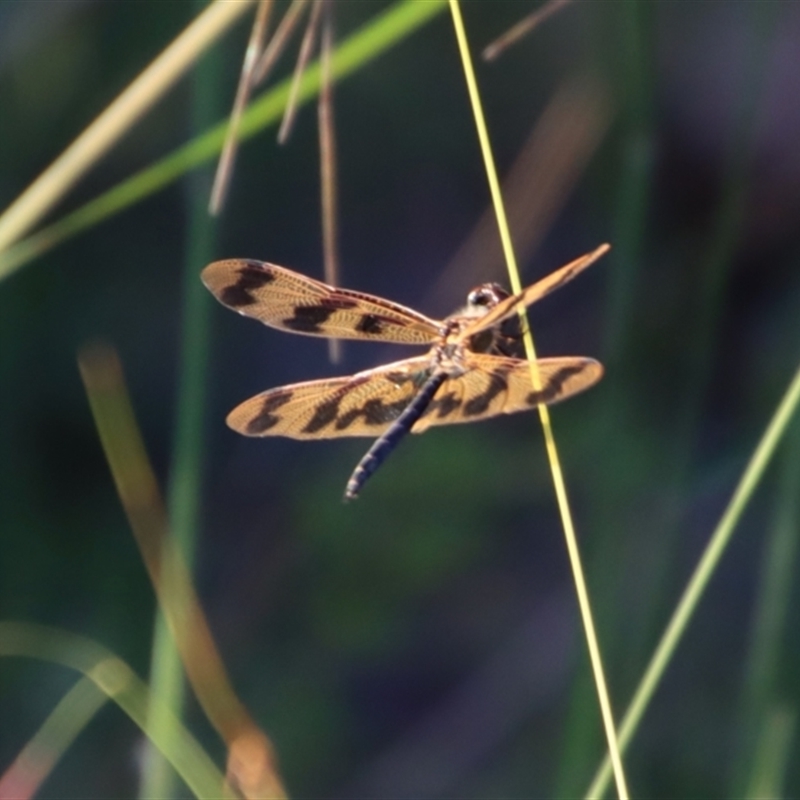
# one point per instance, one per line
(184, 493)
(374, 38)
(760, 690)
(702, 575)
(610, 490)
(772, 755)
(714, 260)
(116, 680)
(635, 180)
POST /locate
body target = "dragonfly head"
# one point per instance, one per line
(479, 301)
(486, 296)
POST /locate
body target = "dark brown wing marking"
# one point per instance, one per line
(240, 294)
(555, 280)
(364, 404)
(497, 385)
(287, 300)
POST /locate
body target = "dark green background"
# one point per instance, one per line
(424, 641)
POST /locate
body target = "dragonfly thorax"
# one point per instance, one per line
(448, 357)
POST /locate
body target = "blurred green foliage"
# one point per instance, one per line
(423, 641)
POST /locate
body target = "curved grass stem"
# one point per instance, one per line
(23, 778)
(117, 681)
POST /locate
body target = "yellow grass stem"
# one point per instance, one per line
(702, 575)
(552, 452)
(536, 187)
(104, 132)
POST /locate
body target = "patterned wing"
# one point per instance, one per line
(364, 404)
(497, 385)
(555, 280)
(287, 300)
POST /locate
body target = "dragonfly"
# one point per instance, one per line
(468, 374)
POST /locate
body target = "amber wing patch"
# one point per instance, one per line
(364, 404)
(497, 385)
(287, 300)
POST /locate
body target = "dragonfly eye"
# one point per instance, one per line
(487, 295)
